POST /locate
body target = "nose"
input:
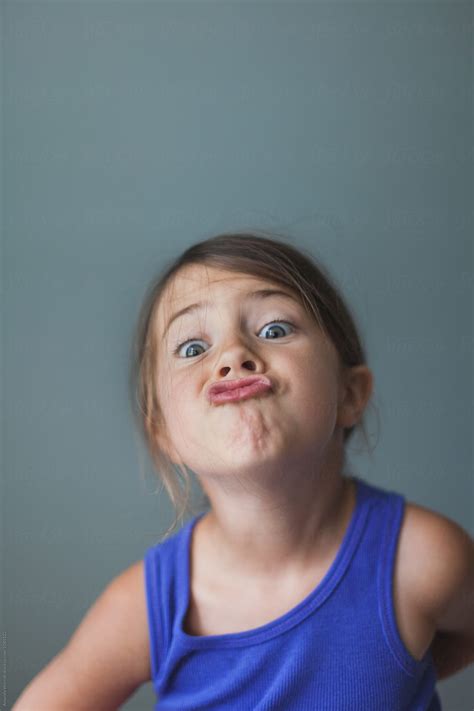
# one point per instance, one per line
(236, 358)
(247, 365)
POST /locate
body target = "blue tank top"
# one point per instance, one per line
(339, 649)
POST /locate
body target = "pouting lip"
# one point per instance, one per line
(223, 385)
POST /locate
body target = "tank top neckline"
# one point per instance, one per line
(298, 612)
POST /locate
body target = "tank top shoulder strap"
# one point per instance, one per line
(388, 508)
(164, 593)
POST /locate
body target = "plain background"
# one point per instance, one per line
(133, 129)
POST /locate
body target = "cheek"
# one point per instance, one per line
(316, 389)
(179, 398)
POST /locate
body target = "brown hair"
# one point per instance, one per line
(256, 253)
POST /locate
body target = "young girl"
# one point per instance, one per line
(301, 586)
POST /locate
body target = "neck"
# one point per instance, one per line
(284, 536)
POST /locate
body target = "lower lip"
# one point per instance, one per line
(240, 393)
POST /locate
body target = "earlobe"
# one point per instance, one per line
(357, 391)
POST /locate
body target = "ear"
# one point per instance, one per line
(356, 389)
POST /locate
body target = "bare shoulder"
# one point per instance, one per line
(114, 632)
(436, 565)
(129, 590)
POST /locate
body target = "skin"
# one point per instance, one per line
(271, 465)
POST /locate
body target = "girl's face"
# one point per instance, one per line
(237, 334)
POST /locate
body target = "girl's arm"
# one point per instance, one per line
(445, 588)
(106, 659)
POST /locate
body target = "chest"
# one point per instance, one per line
(225, 609)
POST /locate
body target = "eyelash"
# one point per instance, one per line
(189, 340)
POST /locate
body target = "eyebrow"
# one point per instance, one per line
(258, 295)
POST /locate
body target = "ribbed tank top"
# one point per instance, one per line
(339, 649)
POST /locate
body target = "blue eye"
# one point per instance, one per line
(195, 340)
(276, 321)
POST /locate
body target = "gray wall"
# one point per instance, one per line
(131, 130)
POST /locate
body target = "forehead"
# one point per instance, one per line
(198, 280)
